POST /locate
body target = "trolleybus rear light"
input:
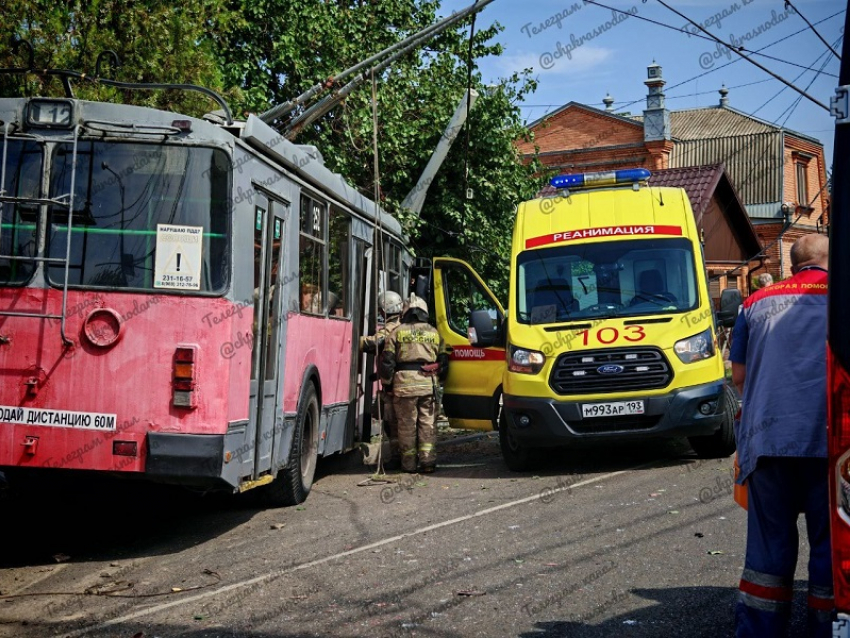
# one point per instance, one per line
(184, 385)
(183, 399)
(184, 354)
(184, 370)
(185, 380)
(124, 448)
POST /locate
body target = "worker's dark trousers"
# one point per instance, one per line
(779, 489)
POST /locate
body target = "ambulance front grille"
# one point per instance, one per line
(614, 370)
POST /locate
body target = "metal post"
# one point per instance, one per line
(65, 339)
(416, 197)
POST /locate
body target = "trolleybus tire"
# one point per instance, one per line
(518, 457)
(722, 443)
(293, 482)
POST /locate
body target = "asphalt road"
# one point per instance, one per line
(636, 541)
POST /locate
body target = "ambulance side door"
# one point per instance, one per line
(472, 389)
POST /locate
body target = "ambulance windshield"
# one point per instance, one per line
(606, 279)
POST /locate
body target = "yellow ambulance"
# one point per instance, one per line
(610, 332)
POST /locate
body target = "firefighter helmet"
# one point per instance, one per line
(417, 307)
(390, 303)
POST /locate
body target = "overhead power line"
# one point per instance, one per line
(736, 50)
(782, 90)
(709, 37)
(790, 110)
(815, 31)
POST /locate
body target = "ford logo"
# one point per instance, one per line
(610, 369)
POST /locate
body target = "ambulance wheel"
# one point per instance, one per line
(293, 483)
(722, 443)
(518, 457)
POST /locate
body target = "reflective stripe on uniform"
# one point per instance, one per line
(765, 591)
(821, 598)
(426, 447)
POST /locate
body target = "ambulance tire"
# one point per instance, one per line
(721, 444)
(293, 482)
(518, 457)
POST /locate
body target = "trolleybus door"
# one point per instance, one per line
(266, 363)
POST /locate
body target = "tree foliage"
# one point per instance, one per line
(264, 52)
(155, 42)
(283, 47)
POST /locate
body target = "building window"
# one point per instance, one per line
(802, 185)
(312, 249)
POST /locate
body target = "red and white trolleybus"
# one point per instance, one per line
(181, 298)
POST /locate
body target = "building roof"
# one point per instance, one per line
(699, 183)
(720, 121)
(586, 107)
(702, 183)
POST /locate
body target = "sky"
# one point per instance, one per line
(581, 52)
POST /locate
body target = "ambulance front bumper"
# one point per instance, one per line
(691, 411)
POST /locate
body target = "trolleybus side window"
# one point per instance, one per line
(312, 248)
(339, 267)
(259, 244)
(18, 223)
(391, 265)
(274, 291)
(124, 194)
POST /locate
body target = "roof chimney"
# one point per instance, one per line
(656, 117)
(608, 101)
(724, 101)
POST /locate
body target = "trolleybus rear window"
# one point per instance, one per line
(18, 222)
(122, 193)
(606, 279)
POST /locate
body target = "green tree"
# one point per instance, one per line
(283, 47)
(155, 42)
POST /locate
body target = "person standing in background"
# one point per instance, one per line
(413, 358)
(779, 365)
(390, 305)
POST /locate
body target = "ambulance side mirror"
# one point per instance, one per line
(730, 302)
(484, 331)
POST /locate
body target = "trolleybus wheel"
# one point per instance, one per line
(293, 482)
(722, 443)
(518, 457)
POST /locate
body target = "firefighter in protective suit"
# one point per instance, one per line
(414, 358)
(390, 305)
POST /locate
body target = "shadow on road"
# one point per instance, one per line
(706, 612)
(85, 518)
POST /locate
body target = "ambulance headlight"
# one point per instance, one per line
(696, 348)
(526, 361)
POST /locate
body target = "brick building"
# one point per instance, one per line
(778, 174)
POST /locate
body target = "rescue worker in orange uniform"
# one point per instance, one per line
(390, 305)
(414, 358)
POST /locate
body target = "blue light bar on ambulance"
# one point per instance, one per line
(607, 178)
